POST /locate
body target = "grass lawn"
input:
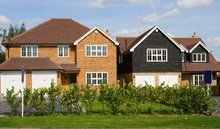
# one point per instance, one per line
(101, 121)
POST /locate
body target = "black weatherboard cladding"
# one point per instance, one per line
(156, 40)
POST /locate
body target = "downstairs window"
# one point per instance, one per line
(96, 78)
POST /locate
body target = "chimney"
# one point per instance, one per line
(195, 35)
(107, 32)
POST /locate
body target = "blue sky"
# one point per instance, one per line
(180, 18)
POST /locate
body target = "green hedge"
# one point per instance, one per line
(126, 99)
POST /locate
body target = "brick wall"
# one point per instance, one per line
(45, 51)
(96, 64)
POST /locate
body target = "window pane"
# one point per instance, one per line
(104, 50)
(93, 75)
(66, 51)
(88, 51)
(164, 55)
(88, 78)
(199, 57)
(60, 51)
(29, 51)
(23, 49)
(35, 51)
(194, 57)
(105, 78)
(93, 50)
(203, 57)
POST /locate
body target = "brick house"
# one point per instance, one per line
(61, 50)
(155, 58)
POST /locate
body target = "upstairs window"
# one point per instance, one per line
(157, 55)
(198, 80)
(120, 59)
(29, 51)
(199, 57)
(96, 78)
(96, 51)
(183, 57)
(63, 51)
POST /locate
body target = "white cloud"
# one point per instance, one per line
(103, 3)
(130, 32)
(155, 17)
(4, 21)
(188, 4)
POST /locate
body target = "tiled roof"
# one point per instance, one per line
(69, 67)
(188, 43)
(201, 67)
(29, 64)
(125, 42)
(52, 31)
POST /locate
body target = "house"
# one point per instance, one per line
(155, 58)
(61, 50)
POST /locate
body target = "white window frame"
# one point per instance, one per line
(62, 46)
(196, 60)
(96, 51)
(120, 59)
(183, 57)
(198, 77)
(152, 55)
(96, 77)
(32, 51)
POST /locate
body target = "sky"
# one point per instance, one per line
(179, 18)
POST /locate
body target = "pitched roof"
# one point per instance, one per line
(29, 64)
(92, 30)
(200, 67)
(69, 67)
(143, 36)
(125, 42)
(52, 31)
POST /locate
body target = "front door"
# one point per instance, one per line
(72, 78)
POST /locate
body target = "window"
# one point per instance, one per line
(96, 78)
(29, 51)
(156, 55)
(199, 57)
(198, 79)
(96, 51)
(63, 51)
(120, 59)
(183, 57)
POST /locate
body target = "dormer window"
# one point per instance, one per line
(29, 51)
(199, 57)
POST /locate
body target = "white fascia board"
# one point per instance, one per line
(89, 32)
(156, 27)
(200, 43)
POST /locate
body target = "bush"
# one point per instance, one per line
(53, 96)
(71, 100)
(27, 100)
(38, 101)
(12, 101)
(89, 96)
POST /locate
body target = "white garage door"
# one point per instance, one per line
(9, 79)
(141, 80)
(169, 80)
(43, 78)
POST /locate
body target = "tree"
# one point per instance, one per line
(22, 28)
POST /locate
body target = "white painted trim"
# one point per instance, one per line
(153, 29)
(89, 32)
(151, 49)
(27, 51)
(63, 51)
(96, 75)
(196, 60)
(199, 43)
(193, 81)
(96, 51)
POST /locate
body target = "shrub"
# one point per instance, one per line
(27, 100)
(38, 101)
(53, 95)
(71, 100)
(12, 101)
(89, 96)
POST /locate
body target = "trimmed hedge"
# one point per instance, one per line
(116, 99)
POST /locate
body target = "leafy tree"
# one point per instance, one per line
(22, 28)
